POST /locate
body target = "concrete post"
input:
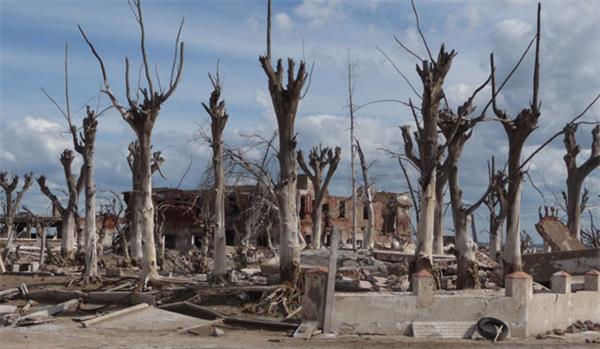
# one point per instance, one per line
(519, 285)
(592, 281)
(423, 288)
(561, 282)
(313, 303)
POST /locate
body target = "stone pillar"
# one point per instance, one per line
(519, 285)
(423, 288)
(561, 282)
(313, 303)
(592, 281)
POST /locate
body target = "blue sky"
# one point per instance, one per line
(33, 35)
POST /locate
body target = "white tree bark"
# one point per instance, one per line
(218, 119)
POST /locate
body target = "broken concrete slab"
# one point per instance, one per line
(556, 234)
(148, 318)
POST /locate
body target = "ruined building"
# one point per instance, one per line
(183, 216)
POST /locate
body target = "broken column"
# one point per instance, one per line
(561, 282)
(519, 285)
(592, 281)
(313, 303)
(423, 288)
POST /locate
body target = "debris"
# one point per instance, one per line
(37, 316)
(90, 322)
(557, 235)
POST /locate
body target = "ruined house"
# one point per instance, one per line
(183, 216)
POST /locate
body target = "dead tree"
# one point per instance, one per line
(218, 119)
(457, 127)
(318, 159)
(367, 242)
(141, 116)
(352, 109)
(432, 74)
(85, 143)
(517, 130)
(496, 204)
(13, 199)
(135, 228)
(68, 212)
(576, 175)
(286, 99)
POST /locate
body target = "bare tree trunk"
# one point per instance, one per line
(67, 243)
(87, 149)
(286, 99)
(42, 230)
(316, 215)
(135, 227)
(576, 175)
(467, 267)
(495, 240)
(367, 242)
(11, 205)
(438, 225)
(149, 262)
(141, 115)
(218, 119)
(517, 130)
(352, 153)
(319, 158)
(424, 251)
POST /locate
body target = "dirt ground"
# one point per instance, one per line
(67, 334)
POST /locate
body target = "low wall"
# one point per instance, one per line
(547, 311)
(393, 313)
(526, 313)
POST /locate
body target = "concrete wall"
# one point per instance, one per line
(393, 313)
(547, 311)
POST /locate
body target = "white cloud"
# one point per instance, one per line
(283, 21)
(32, 141)
(316, 12)
(513, 29)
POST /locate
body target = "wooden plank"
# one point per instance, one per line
(51, 311)
(114, 314)
(330, 290)
(444, 329)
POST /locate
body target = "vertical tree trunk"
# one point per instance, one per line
(367, 242)
(135, 225)
(219, 236)
(574, 187)
(512, 247)
(316, 215)
(495, 240)
(424, 251)
(438, 225)
(91, 257)
(67, 227)
(467, 268)
(146, 208)
(42, 230)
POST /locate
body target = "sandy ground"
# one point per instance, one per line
(65, 334)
